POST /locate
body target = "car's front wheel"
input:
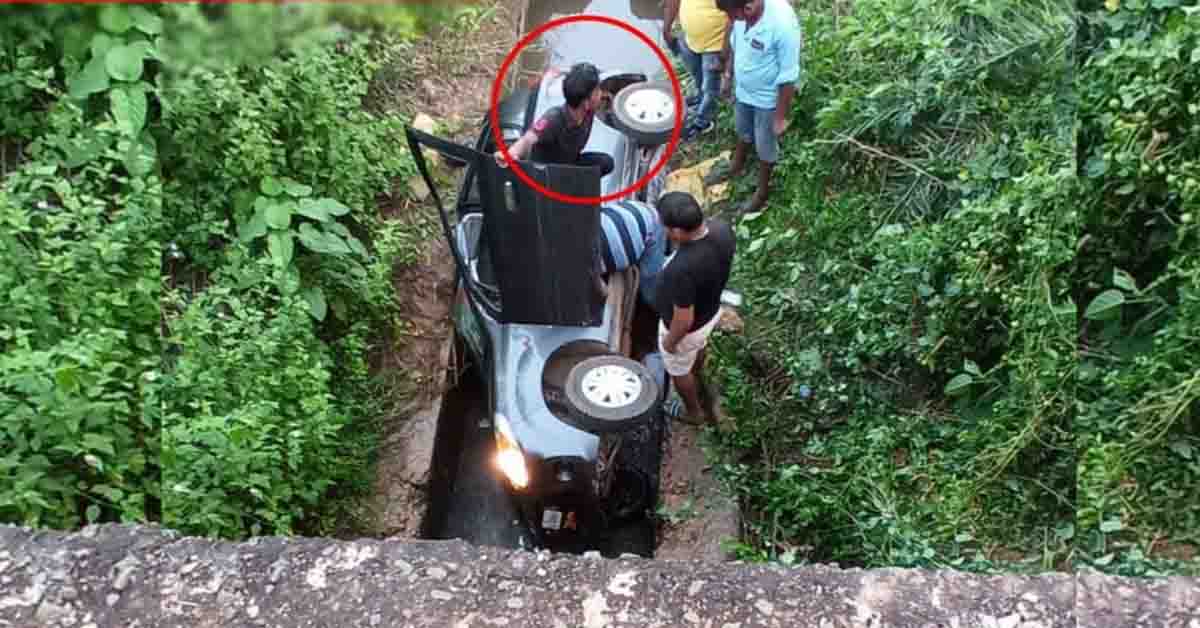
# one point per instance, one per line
(609, 393)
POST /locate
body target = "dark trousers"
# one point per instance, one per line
(605, 162)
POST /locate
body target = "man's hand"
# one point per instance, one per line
(500, 160)
(726, 85)
(781, 122)
(681, 322)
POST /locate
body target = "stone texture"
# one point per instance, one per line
(52, 580)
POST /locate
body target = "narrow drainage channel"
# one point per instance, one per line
(467, 499)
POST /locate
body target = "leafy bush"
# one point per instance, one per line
(81, 214)
(227, 201)
(925, 226)
(284, 273)
(1138, 424)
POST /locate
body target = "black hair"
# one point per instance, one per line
(679, 210)
(580, 82)
(729, 5)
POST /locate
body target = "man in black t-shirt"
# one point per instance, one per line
(558, 137)
(688, 297)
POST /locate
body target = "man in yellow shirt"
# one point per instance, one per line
(704, 48)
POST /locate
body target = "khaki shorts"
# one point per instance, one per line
(680, 363)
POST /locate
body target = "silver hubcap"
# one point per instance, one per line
(611, 386)
(650, 106)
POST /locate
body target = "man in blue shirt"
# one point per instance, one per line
(765, 45)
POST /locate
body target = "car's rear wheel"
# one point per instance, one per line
(609, 393)
(646, 112)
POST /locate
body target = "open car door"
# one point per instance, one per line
(542, 252)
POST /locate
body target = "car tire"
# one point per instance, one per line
(645, 111)
(609, 393)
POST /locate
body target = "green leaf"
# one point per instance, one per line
(282, 246)
(1112, 525)
(289, 280)
(316, 302)
(115, 19)
(85, 148)
(310, 208)
(124, 63)
(1182, 448)
(1105, 306)
(129, 109)
(959, 384)
(254, 228)
(270, 186)
(101, 44)
(91, 79)
(279, 215)
(1124, 280)
(356, 246)
(811, 360)
(67, 379)
(1104, 560)
(296, 189)
(146, 21)
(332, 207)
(140, 156)
(92, 513)
(97, 442)
(756, 245)
(972, 368)
(336, 244)
(312, 239)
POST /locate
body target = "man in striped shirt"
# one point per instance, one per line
(632, 235)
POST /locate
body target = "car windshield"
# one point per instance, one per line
(608, 47)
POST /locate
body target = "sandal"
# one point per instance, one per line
(677, 410)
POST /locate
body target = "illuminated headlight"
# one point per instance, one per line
(509, 457)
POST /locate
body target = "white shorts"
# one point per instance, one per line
(680, 363)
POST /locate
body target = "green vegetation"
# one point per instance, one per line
(1137, 425)
(943, 258)
(197, 262)
(80, 203)
(980, 257)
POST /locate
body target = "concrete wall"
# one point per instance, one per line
(133, 577)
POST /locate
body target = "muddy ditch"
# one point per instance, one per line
(433, 475)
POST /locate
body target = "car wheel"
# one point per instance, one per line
(609, 393)
(646, 112)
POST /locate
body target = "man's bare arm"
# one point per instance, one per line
(670, 12)
(519, 149)
(681, 323)
(783, 108)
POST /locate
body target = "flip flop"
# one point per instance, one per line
(677, 410)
